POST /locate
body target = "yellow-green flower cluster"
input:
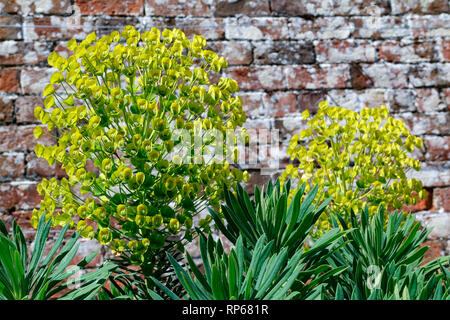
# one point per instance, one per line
(356, 159)
(114, 103)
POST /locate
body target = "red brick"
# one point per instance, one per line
(247, 8)
(421, 205)
(438, 148)
(9, 80)
(47, 7)
(12, 165)
(445, 49)
(19, 195)
(406, 51)
(261, 77)
(13, 29)
(99, 7)
(6, 108)
(20, 138)
(317, 76)
(417, 6)
(39, 167)
(25, 108)
(172, 8)
(21, 53)
(446, 97)
(279, 104)
(283, 52)
(444, 195)
(434, 251)
(235, 52)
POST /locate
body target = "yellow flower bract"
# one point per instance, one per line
(114, 103)
(356, 159)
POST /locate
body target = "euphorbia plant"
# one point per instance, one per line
(356, 159)
(116, 102)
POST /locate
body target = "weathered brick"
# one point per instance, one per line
(319, 7)
(211, 29)
(32, 7)
(6, 108)
(21, 53)
(440, 224)
(279, 104)
(58, 28)
(401, 100)
(445, 49)
(235, 52)
(309, 100)
(406, 51)
(357, 99)
(283, 52)
(319, 28)
(438, 148)
(431, 176)
(431, 123)
(12, 165)
(381, 75)
(345, 51)
(429, 25)
(9, 80)
(446, 97)
(39, 167)
(444, 196)
(430, 74)
(99, 7)
(289, 126)
(25, 108)
(428, 100)
(258, 77)
(19, 195)
(256, 28)
(253, 104)
(383, 27)
(172, 8)
(104, 24)
(20, 138)
(317, 76)
(418, 6)
(33, 81)
(12, 27)
(242, 7)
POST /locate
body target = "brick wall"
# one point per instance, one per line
(287, 56)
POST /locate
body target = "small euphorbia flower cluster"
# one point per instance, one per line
(356, 159)
(115, 102)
